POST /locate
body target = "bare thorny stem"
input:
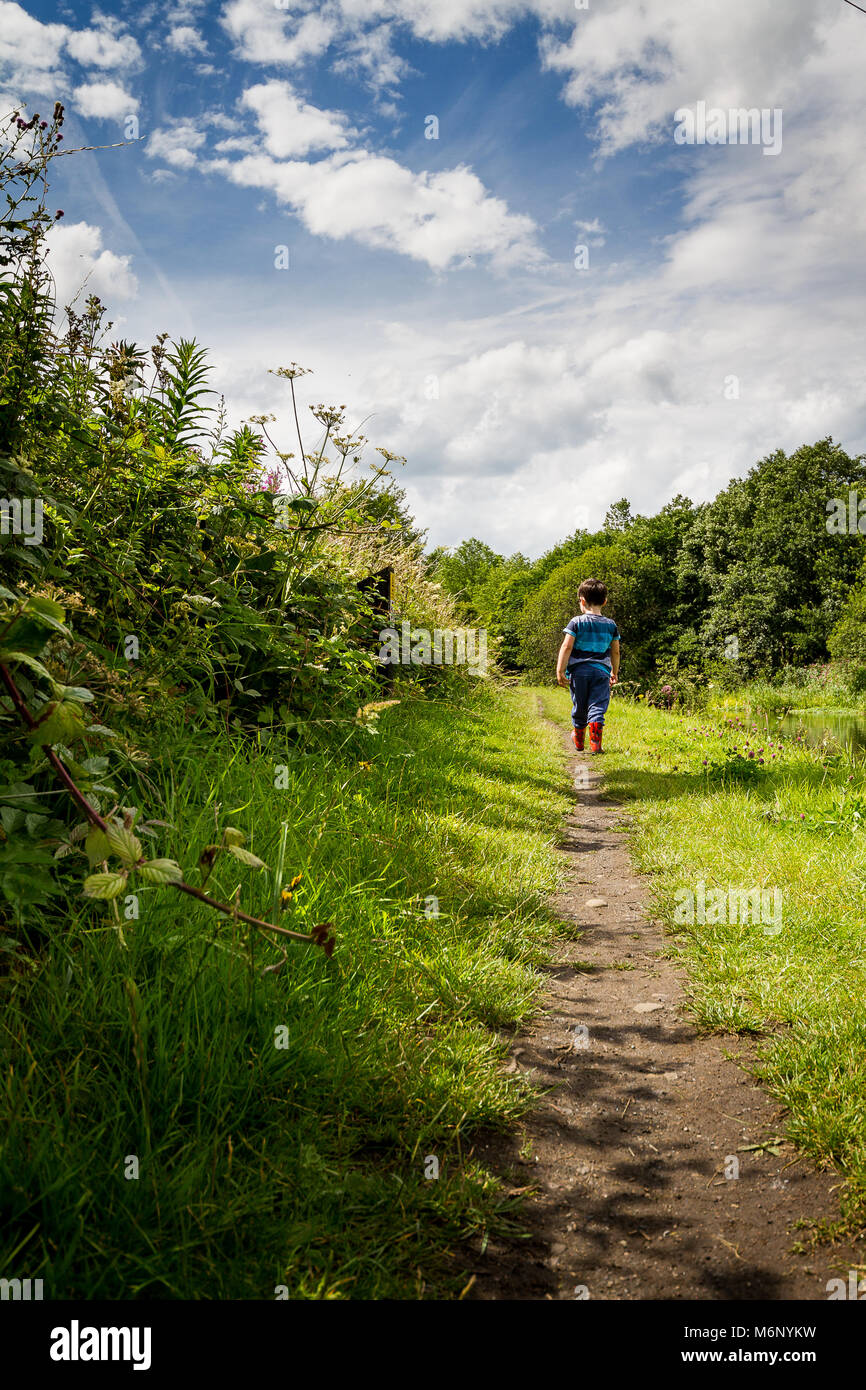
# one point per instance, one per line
(321, 935)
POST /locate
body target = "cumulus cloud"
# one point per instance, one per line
(742, 334)
(371, 55)
(271, 35)
(176, 144)
(183, 38)
(457, 20)
(443, 219)
(292, 127)
(29, 51)
(741, 338)
(23, 37)
(184, 11)
(33, 57)
(102, 48)
(640, 63)
(106, 101)
(81, 266)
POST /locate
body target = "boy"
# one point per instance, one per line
(590, 651)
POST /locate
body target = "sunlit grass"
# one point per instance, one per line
(300, 1165)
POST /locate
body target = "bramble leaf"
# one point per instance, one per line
(161, 871)
(63, 725)
(104, 886)
(97, 846)
(251, 860)
(124, 844)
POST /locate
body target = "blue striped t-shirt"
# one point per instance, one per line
(593, 634)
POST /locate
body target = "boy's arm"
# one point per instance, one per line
(562, 659)
(614, 660)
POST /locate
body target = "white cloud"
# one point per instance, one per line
(593, 230)
(371, 54)
(24, 40)
(442, 219)
(237, 144)
(741, 336)
(291, 127)
(177, 144)
(32, 58)
(29, 53)
(183, 11)
(103, 49)
(268, 34)
(183, 38)
(221, 121)
(458, 20)
(616, 384)
(32, 53)
(642, 62)
(81, 266)
(105, 101)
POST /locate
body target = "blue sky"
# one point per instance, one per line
(431, 283)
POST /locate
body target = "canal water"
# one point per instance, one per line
(846, 729)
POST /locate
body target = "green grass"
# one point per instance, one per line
(797, 824)
(300, 1165)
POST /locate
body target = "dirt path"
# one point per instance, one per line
(628, 1153)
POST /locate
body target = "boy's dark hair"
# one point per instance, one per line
(593, 592)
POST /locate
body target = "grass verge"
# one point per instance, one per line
(178, 1124)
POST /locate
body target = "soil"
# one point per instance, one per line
(630, 1158)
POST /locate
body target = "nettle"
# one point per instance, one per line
(60, 803)
(53, 789)
(179, 570)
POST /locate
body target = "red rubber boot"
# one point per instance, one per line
(595, 738)
(577, 738)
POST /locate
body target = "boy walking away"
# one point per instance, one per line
(588, 662)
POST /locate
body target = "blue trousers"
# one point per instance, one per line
(590, 694)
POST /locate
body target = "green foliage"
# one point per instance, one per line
(464, 570)
(847, 640)
(635, 584)
(769, 570)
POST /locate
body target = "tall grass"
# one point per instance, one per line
(181, 1123)
(833, 685)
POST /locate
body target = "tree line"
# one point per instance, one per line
(759, 582)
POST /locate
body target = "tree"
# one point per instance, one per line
(635, 586)
(847, 640)
(618, 516)
(463, 571)
(769, 530)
